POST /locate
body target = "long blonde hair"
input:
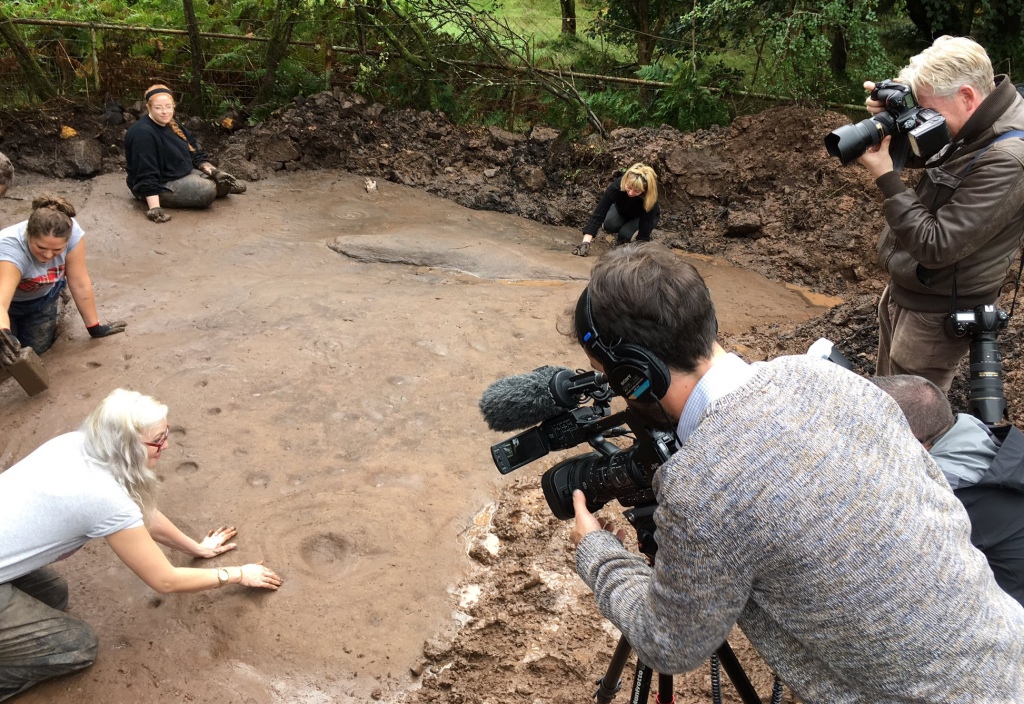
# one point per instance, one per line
(113, 441)
(641, 177)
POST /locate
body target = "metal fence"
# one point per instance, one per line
(98, 61)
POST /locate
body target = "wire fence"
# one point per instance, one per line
(98, 61)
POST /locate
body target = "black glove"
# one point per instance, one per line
(219, 176)
(582, 249)
(157, 215)
(99, 330)
(9, 347)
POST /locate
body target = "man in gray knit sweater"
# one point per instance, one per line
(799, 506)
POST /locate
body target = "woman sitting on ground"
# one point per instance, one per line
(38, 257)
(94, 483)
(166, 167)
(629, 207)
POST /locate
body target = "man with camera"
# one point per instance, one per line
(949, 243)
(799, 506)
(985, 472)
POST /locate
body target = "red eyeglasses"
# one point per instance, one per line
(159, 442)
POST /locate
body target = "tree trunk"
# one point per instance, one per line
(568, 17)
(198, 60)
(644, 36)
(38, 81)
(837, 61)
(285, 17)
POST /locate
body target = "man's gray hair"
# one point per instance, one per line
(113, 442)
(927, 409)
(950, 62)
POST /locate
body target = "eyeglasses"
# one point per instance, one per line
(159, 442)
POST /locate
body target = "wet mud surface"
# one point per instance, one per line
(322, 350)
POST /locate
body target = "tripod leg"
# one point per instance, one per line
(735, 672)
(665, 695)
(609, 685)
(641, 683)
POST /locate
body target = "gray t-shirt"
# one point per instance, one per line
(53, 502)
(37, 278)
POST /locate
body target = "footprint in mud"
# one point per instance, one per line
(201, 383)
(177, 433)
(186, 468)
(258, 480)
(93, 365)
(214, 411)
(325, 550)
(239, 451)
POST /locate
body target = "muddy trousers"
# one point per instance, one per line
(34, 322)
(193, 191)
(37, 639)
(623, 229)
(910, 342)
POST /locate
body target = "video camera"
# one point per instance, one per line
(987, 401)
(923, 129)
(610, 472)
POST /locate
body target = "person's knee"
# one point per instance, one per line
(192, 191)
(82, 644)
(40, 334)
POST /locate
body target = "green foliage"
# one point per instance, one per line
(803, 50)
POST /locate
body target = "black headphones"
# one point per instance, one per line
(633, 371)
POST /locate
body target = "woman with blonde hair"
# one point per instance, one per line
(629, 207)
(38, 257)
(94, 483)
(165, 164)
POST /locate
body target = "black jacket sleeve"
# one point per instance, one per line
(601, 211)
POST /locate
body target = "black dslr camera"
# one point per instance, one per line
(609, 472)
(922, 129)
(987, 402)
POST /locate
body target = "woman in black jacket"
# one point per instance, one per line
(165, 164)
(629, 207)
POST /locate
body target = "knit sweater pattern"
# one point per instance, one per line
(803, 509)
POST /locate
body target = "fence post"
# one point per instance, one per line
(95, 58)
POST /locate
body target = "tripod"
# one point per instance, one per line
(642, 520)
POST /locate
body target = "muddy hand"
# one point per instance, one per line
(216, 541)
(157, 215)
(582, 249)
(257, 575)
(9, 347)
(100, 330)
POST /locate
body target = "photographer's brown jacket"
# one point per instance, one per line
(963, 216)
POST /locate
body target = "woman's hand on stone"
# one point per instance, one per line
(256, 575)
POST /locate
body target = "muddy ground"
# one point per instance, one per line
(322, 350)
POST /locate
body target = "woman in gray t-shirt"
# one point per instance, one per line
(38, 257)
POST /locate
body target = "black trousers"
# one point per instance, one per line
(997, 529)
(37, 639)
